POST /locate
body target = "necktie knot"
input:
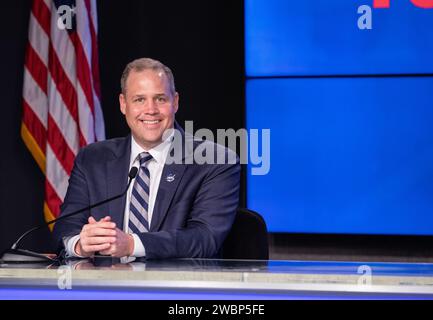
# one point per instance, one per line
(144, 157)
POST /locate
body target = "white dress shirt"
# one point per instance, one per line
(155, 166)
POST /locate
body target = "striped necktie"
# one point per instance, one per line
(138, 208)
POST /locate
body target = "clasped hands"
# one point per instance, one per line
(104, 237)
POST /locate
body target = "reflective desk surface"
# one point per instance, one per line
(106, 278)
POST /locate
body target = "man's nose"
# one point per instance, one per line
(150, 107)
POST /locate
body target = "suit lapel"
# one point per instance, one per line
(117, 180)
(170, 179)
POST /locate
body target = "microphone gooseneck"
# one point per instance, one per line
(131, 175)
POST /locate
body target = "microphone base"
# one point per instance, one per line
(26, 256)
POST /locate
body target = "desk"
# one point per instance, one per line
(197, 279)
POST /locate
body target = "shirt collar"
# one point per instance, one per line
(158, 153)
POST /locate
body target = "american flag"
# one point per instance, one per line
(61, 91)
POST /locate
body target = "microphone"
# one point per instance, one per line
(18, 255)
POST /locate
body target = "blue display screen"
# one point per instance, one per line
(347, 155)
(313, 37)
(347, 94)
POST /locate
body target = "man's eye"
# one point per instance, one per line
(139, 100)
(161, 99)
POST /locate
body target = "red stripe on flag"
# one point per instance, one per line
(59, 146)
(83, 71)
(65, 88)
(36, 68)
(35, 126)
(52, 199)
(42, 14)
(95, 59)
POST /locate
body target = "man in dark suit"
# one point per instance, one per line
(176, 208)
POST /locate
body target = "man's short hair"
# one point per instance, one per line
(147, 64)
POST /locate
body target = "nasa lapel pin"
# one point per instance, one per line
(170, 177)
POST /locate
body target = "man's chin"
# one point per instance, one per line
(149, 141)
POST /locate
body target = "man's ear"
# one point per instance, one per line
(176, 102)
(122, 103)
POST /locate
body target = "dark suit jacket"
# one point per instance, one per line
(192, 214)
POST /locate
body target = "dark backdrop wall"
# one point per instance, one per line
(201, 41)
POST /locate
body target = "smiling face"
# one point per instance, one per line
(149, 106)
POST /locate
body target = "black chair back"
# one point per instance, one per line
(248, 238)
